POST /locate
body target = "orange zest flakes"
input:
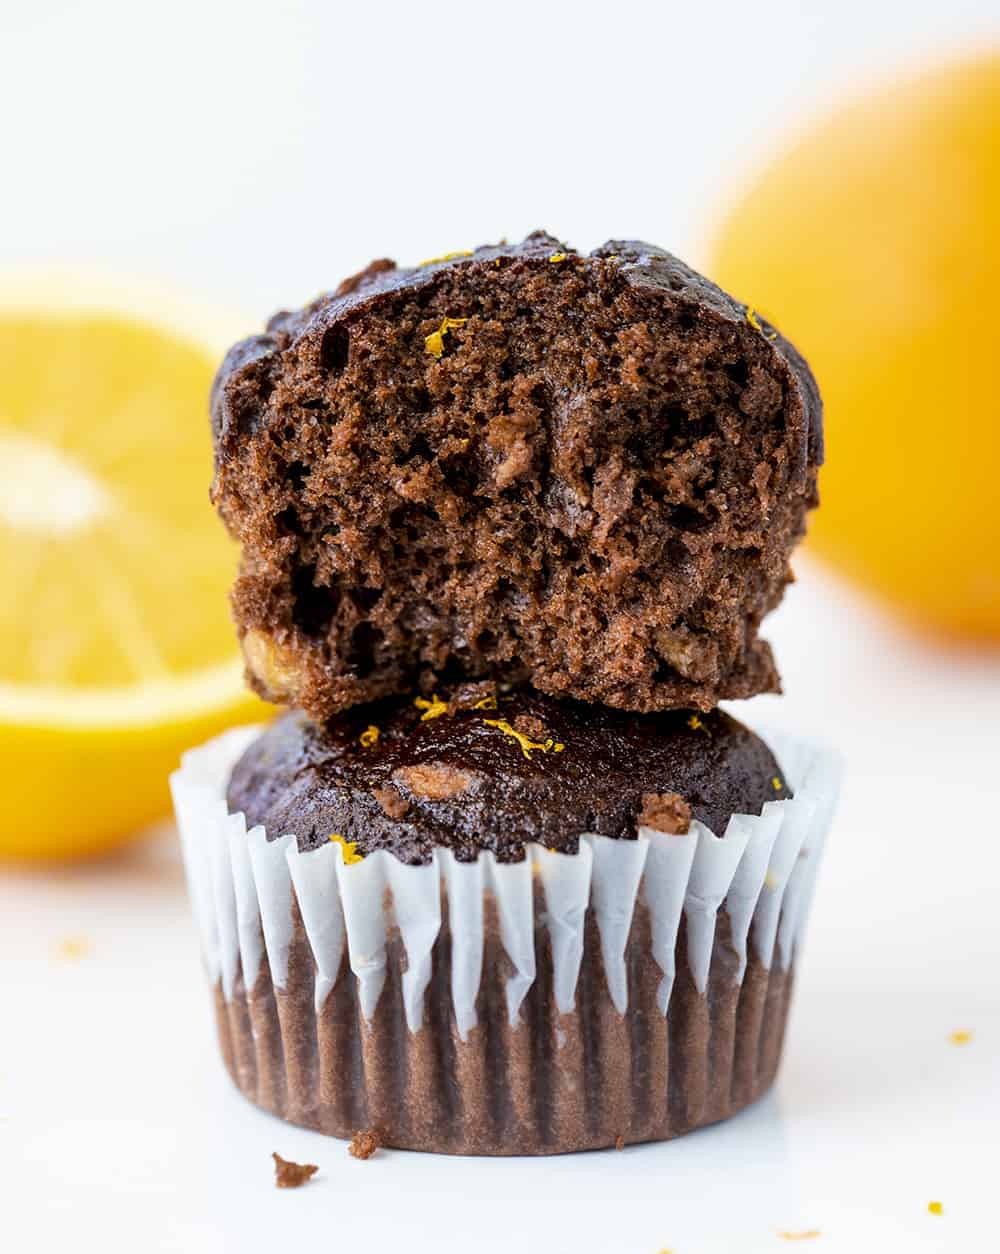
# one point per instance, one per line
(432, 708)
(527, 745)
(753, 319)
(776, 784)
(434, 261)
(695, 723)
(808, 1234)
(349, 849)
(486, 703)
(557, 257)
(960, 1037)
(434, 343)
(935, 1208)
(369, 736)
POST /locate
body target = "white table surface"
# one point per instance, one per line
(121, 1131)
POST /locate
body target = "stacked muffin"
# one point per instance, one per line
(505, 880)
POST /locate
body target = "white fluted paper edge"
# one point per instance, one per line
(241, 885)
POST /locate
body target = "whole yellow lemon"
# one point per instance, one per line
(874, 243)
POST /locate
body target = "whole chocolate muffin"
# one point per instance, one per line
(481, 771)
(492, 922)
(587, 472)
(502, 923)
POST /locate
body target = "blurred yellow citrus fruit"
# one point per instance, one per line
(116, 649)
(874, 243)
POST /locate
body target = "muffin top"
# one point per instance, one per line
(582, 472)
(485, 770)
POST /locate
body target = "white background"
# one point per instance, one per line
(254, 153)
(260, 151)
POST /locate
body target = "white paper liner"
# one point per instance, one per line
(242, 885)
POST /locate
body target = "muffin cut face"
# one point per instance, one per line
(584, 472)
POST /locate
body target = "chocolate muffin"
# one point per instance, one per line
(479, 771)
(498, 923)
(586, 472)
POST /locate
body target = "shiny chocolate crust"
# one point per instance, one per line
(486, 771)
(583, 472)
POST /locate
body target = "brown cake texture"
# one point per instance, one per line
(521, 463)
(487, 771)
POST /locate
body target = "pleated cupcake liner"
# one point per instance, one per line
(631, 991)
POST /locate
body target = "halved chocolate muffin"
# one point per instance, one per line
(585, 472)
(496, 923)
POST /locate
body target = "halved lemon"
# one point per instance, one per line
(116, 647)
